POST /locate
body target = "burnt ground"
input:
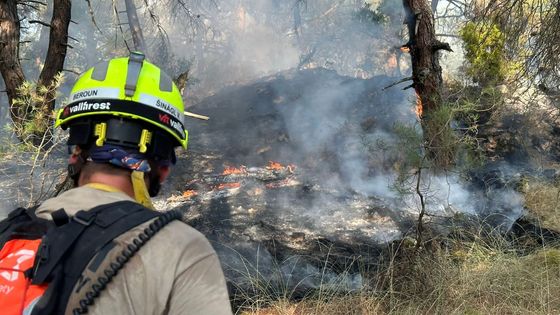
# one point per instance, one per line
(300, 223)
(324, 210)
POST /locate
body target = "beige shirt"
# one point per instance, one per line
(176, 272)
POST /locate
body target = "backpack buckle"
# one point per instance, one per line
(84, 218)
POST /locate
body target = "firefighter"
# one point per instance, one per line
(125, 119)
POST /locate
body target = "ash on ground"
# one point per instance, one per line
(292, 179)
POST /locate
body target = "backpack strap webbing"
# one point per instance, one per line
(97, 221)
(66, 250)
(119, 262)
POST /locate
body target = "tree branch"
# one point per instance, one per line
(39, 22)
(92, 15)
(34, 1)
(397, 83)
(441, 46)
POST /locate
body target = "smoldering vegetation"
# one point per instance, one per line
(320, 105)
(334, 202)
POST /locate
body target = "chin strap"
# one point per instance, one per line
(141, 194)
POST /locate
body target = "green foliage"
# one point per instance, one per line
(454, 126)
(485, 54)
(410, 153)
(440, 135)
(34, 101)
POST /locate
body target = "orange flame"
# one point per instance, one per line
(189, 194)
(228, 186)
(233, 170)
(419, 107)
(405, 49)
(274, 166)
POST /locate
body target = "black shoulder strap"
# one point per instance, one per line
(57, 242)
(115, 266)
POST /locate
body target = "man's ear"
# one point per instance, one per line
(163, 172)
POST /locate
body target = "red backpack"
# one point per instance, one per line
(41, 261)
(16, 257)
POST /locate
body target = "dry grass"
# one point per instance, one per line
(474, 277)
(543, 201)
(345, 305)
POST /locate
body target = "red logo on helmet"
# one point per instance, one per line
(66, 111)
(164, 118)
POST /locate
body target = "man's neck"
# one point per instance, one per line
(118, 182)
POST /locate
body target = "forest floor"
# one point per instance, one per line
(471, 273)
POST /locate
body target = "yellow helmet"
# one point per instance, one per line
(125, 101)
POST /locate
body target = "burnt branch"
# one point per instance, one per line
(397, 83)
(31, 6)
(448, 35)
(120, 26)
(33, 1)
(441, 46)
(71, 71)
(420, 222)
(39, 22)
(92, 15)
(134, 25)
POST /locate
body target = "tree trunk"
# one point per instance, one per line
(134, 25)
(54, 63)
(426, 73)
(10, 66)
(12, 72)
(58, 41)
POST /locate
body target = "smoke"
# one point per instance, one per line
(253, 269)
(259, 38)
(235, 42)
(328, 120)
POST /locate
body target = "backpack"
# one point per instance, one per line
(42, 261)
